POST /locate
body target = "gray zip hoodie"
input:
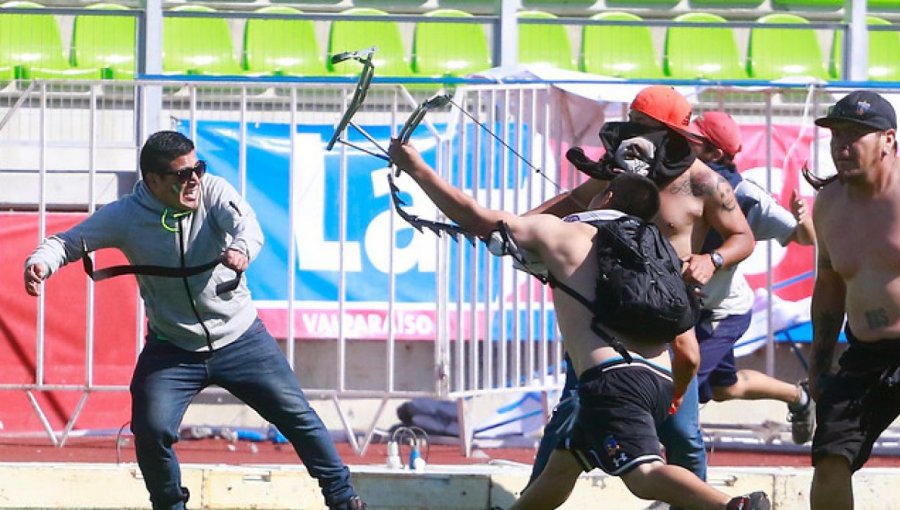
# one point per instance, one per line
(147, 232)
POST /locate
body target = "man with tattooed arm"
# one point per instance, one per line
(857, 220)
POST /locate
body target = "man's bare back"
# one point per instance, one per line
(570, 255)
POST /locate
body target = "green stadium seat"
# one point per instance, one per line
(31, 47)
(884, 5)
(391, 5)
(884, 49)
(198, 45)
(312, 3)
(390, 58)
(724, 4)
(467, 51)
(619, 51)
(702, 52)
(105, 42)
(807, 5)
(558, 5)
(544, 44)
(774, 53)
(282, 47)
(641, 4)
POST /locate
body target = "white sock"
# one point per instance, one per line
(804, 398)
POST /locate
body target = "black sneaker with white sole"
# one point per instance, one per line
(802, 418)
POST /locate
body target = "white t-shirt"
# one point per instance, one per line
(728, 292)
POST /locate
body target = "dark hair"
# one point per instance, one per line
(635, 195)
(161, 149)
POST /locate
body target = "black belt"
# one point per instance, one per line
(163, 271)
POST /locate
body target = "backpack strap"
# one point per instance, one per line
(599, 329)
(508, 246)
(501, 243)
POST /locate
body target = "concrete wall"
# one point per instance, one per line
(83, 486)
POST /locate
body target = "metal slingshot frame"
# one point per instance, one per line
(415, 118)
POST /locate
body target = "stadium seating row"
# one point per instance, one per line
(104, 47)
(568, 6)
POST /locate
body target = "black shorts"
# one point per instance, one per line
(620, 406)
(860, 402)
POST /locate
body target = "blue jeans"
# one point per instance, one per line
(560, 421)
(681, 435)
(252, 369)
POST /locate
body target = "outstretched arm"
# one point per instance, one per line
(541, 233)
(573, 201)
(458, 206)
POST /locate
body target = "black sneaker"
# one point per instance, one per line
(353, 503)
(753, 501)
(802, 418)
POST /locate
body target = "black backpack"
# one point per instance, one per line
(640, 292)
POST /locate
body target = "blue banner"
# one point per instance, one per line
(365, 258)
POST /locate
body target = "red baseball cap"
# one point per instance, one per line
(720, 129)
(664, 104)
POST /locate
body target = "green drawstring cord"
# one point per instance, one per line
(175, 215)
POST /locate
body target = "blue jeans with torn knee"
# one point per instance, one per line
(253, 369)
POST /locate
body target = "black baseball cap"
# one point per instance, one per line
(861, 107)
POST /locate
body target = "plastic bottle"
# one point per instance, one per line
(393, 455)
(416, 462)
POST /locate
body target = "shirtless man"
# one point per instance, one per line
(857, 219)
(690, 205)
(616, 429)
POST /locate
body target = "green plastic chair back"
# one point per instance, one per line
(701, 52)
(544, 44)
(808, 5)
(31, 47)
(774, 53)
(558, 5)
(390, 58)
(105, 42)
(644, 4)
(619, 51)
(884, 50)
(283, 46)
(198, 45)
(724, 4)
(883, 5)
(449, 49)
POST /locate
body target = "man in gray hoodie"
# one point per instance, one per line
(199, 332)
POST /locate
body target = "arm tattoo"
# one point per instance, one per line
(680, 187)
(718, 188)
(828, 325)
(822, 357)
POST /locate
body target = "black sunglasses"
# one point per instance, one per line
(184, 175)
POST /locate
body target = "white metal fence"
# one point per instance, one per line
(73, 146)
